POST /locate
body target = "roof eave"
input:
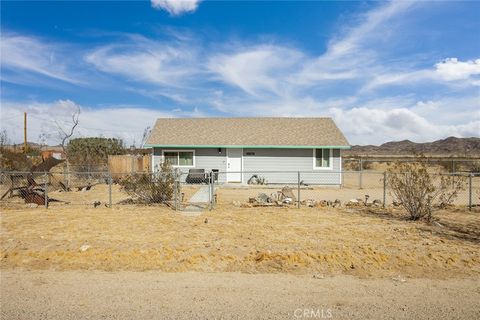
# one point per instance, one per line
(250, 147)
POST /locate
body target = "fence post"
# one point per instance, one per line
(109, 190)
(360, 177)
(175, 189)
(210, 190)
(470, 192)
(298, 190)
(384, 188)
(46, 190)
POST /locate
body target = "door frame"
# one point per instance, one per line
(241, 164)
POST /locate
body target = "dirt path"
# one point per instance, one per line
(153, 295)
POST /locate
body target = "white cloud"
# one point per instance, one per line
(124, 122)
(176, 7)
(22, 54)
(140, 59)
(449, 71)
(452, 69)
(256, 70)
(366, 125)
(351, 54)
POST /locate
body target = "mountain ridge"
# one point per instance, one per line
(451, 146)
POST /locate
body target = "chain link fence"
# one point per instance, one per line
(198, 190)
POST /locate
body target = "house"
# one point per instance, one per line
(273, 148)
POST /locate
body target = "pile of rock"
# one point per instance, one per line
(279, 198)
(322, 203)
(364, 202)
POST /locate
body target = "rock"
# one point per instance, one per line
(321, 203)
(310, 203)
(237, 203)
(263, 198)
(276, 196)
(337, 203)
(31, 205)
(396, 203)
(206, 220)
(318, 276)
(288, 193)
(399, 279)
(96, 204)
(288, 200)
(84, 247)
(377, 203)
(355, 203)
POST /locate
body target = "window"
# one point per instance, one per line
(322, 158)
(250, 153)
(179, 158)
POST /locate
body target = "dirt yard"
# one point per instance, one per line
(192, 295)
(249, 240)
(74, 261)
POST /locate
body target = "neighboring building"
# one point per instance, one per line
(275, 148)
(56, 154)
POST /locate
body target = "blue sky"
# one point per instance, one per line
(383, 70)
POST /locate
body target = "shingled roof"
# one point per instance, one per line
(246, 132)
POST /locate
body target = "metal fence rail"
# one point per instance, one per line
(205, 190)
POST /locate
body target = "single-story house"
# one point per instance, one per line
(273, 148)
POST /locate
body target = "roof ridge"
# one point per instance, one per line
(236, 118)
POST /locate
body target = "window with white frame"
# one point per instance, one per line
(179, 158)
(322, 158)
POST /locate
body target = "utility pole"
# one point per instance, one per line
(25, 132)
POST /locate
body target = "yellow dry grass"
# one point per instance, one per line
(252, 240)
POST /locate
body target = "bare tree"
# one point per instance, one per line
(66, 134)
(146, 133)
(3, 139)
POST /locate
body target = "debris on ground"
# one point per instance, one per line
(84, 247)
(399, 279)
(256, 179)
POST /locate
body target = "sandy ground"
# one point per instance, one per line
(251, 240)
(150, 262)
(153, 295)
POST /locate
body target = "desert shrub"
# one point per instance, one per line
(473, 167)
(83, 152)
(355, 165)
(14, 161)
(419, 191)
(158, 187)
(446, 165)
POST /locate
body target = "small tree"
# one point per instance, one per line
(419, 191)
(86, 151)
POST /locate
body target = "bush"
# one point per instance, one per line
(473, 167)
(419, 191)
(147, 188)
(87, 151)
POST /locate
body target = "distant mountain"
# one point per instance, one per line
(447, 147)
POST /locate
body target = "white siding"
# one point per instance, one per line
(276, 165)
(205, 158)
(282, 166)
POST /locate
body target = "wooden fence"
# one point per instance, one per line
(129, 164)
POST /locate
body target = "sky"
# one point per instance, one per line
(387, 70)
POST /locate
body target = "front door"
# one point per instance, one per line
(234, 165)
